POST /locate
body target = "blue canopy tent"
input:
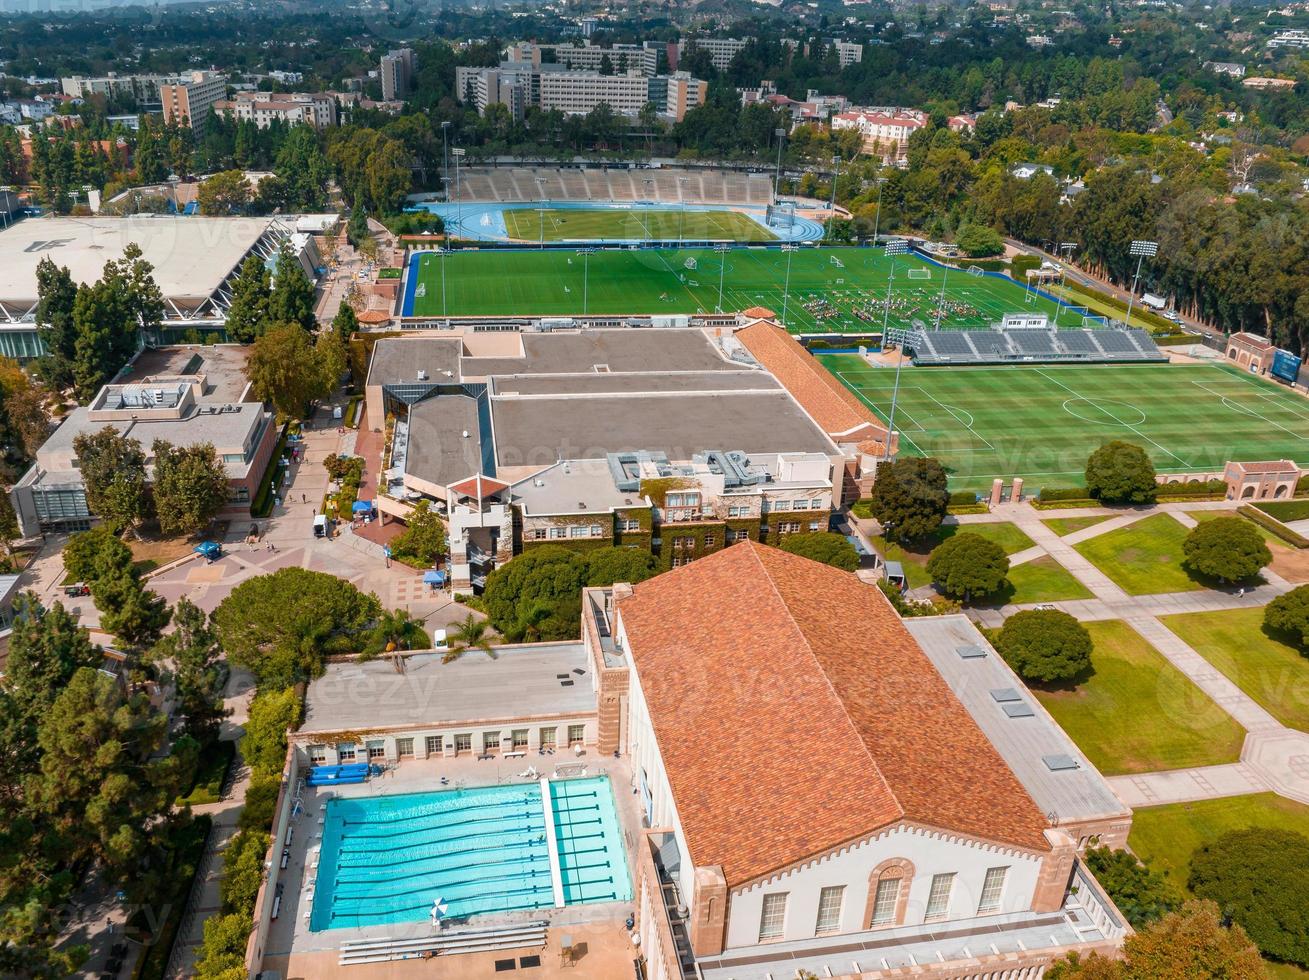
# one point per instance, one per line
(362, 508)
(434, 578)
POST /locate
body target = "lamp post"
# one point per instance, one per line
(645, 212)
(445, 152)
(877, 218)
(836, 162)
(540, 197)
(777, 177)
(444, 309)
(585, 253)
(722, 251)
(786, 287)
(1142, 250)
(458, 154)
(940, 303)
(1065, 250)
(894, 247)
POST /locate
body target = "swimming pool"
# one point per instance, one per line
(386, 859)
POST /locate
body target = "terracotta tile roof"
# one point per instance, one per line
(758, 313)
(478, 486)
(1250, 340)
(374, 316)
(1271, 466)
(791, 691)
(829, 403)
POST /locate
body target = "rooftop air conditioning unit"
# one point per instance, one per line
(465, 433)
(422, 375)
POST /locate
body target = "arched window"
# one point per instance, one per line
(1247, 493)
(888, 893)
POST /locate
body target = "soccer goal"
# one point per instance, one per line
(1093, 322)
(690, 263)
(837, 262)
(976, 271)
(420, 290)
(918, 273)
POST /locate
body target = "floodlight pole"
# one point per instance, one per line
(445, 154)
(586, 274)
(940, 305)
(777, 177)
(1068, 248)
(645, 212)
(786, 288)
(722, 251)
(836, 162)
(893, 248)
(444, 309)
(1142, 250)
(681, 212)
(877, 218)
(459, 206)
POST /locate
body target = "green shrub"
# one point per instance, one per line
(1193, 488)
(1272, 524)
(1045, 645)
(187, 847)
(1285, 510)
(209, 775)
(262, 505)
(962, 498)
(260, 802)
(1064, 493)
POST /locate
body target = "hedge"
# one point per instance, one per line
(1193, 488)
(1063, 493)
(189, 848)
(352, 411)
(1272, 524)
(1286, 510)
(210, 772)
(961, 498)
(262, 505)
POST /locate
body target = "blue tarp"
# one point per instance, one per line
(362, 506)
(434, 578)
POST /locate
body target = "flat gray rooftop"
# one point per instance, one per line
(351, 696)
(397, 360)
(540, 431)
(654, 381)
(438, 451)
(623, 349)
(987, 686)
(223, 366)
(576, 487)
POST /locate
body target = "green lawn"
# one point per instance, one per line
(1008, 536)
(830, 289)
(598, 224)
(1139, 713)
(1143, 558)
(1272, 672)
(1041, 422)
(1286, 510)
(1168, 835)
(1043, 580)
(1269, 537)
(1063, 526)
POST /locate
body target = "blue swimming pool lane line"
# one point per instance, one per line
(386, 859)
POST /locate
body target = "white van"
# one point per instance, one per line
(320, 525)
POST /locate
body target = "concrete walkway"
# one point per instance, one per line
(1273, 756)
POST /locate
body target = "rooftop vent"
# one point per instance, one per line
(581, 505)
(1060, 762)
(1018, 709)
(1003, 694)
(422, 375)
(970, 651)
(465, 433)
(538, 482)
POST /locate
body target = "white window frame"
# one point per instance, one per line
(938, 897)
(992, 890)
(435, 744)
(886, 901)
(576, 735)
(829, 912)
(772, 916)
(404, 747)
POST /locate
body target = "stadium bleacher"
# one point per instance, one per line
(665, 185)
(991, 346)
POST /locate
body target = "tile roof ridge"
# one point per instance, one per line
(845, 712)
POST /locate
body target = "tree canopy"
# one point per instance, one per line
(968, 566)
(190, 486)
(113, 472)
(287, 370)
(827, 547)
(279, 626)
(292, 297)
(247, 316)
(1120, 473)
(423, 539)
(1140, 894)
(273, 712)
(538, 595)
(605, 566)
(1045, 645)
(1259, 876)
(227, 192)
(1288, 614)
(909, 497)
(1229, 549)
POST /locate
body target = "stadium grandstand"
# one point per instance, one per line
(517, 185)
(1028, 346)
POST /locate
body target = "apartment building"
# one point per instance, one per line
(615, 59)
(397, 71)
(1294, 38)
(721, 49)
(187, 103)
(261, 108)
(673, 96)
(576, 93)
(141, 87)
(519, 84)
(885, 131)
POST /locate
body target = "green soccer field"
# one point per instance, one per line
(1040, 423)
(831, 289)
(598, 224)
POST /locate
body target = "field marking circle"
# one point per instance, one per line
(1102, 406)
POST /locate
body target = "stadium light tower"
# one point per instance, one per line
(1142, 250)
(786, 287)
(940, 304)
(877, 218)
(722, 251)
(780, 133)
(1065, 251)
(443, 252)
(458, 154)
(681, 211)
(645, 212)
(445, 152)
(836, 162)
(540, 196)
(894, 247)
(585, 253)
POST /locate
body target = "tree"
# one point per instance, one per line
(422, 541)
(345, 324)
(273, 712)
(292, 297)
(227, 192)
(243, 871)
(389, 176)
(222, 955)
(356, 229)
(538, 595)
(56, 293)
(190, 486)
(192, 654)
(909, 498)
(248, 315)
(978, 241)
(133, 613)
(1229, 549)
(279, 626)
(470, 633)
(285, 369)
(1259, 876)
(605, 566)
(46, 648)
(394, 630)
(827, 547)
(1189, 944)
(97, 312)
(25, 425)
(1140, 894)
(1288, 614)
(968, 565)
(113, 471)
(90, 554)
(1120, 473)
(1045, 645)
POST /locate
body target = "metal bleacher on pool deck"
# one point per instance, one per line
(663, 185)
(990, 346)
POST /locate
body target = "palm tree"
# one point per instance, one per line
(468, 635)
(391, 633)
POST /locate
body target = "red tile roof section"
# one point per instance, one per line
(790, 691)
(829, 403)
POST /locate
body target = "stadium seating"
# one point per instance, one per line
(665, 185)
(990, 346)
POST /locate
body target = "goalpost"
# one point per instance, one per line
(976, 271)
(923, 273)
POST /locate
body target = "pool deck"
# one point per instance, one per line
(294, 951)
